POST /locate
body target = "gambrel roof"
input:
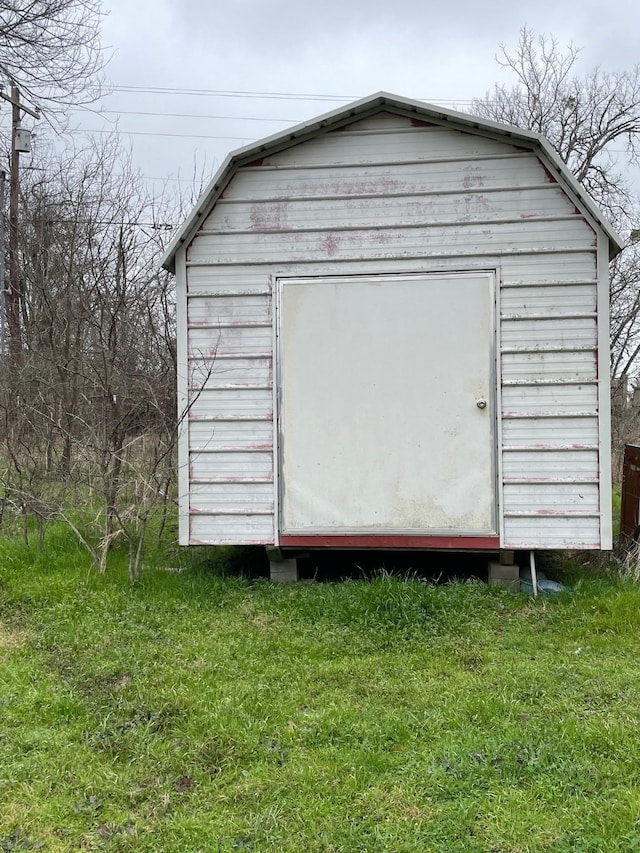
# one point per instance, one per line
(384, 102)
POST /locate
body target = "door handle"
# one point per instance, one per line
(481, 404)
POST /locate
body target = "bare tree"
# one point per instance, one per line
(52, 49)
(586, 118)
(593, 121)
(87, 418)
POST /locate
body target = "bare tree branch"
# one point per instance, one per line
(590, 120)
(52, 49)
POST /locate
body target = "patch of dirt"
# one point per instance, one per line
(122, 680)
(11, 639)
(185, 783)
(263, 621)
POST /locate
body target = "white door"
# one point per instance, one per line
(386, 405)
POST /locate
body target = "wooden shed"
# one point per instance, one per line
(393, 332)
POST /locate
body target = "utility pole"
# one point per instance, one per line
(3, 318)
(14, 292)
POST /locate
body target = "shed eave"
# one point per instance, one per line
(616, 243)
(358, 109)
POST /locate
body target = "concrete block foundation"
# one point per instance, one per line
(507, 576)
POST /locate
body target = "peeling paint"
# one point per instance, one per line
(472, 178)
(367, 186)
(382, 237)
(269, 217)
(557, 513)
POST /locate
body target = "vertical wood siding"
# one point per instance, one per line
(390, 195)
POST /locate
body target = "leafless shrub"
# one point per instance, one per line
(87, 416)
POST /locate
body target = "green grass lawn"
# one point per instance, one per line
(201, 713)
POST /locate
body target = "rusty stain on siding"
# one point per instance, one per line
(269, 217)
(549, 177)
(331, 243)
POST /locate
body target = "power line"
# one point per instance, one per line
(195, 115)
(179, 180)
(246, 138)
(288, 96)
(167, 90)
(156, 226)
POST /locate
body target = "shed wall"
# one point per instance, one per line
(389, 195)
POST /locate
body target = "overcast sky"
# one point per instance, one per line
(347, 49)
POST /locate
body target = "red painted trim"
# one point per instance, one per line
(393, 541)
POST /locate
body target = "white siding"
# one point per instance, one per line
(376, 143)
(407, 210)
(389, 242)
(390, 195)
(261, 183)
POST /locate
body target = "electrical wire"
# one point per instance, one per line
(288, 96)
(195, 115)
(156, 226)
(247, 138)
(167, 90)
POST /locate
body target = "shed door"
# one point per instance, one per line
(386, 404)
